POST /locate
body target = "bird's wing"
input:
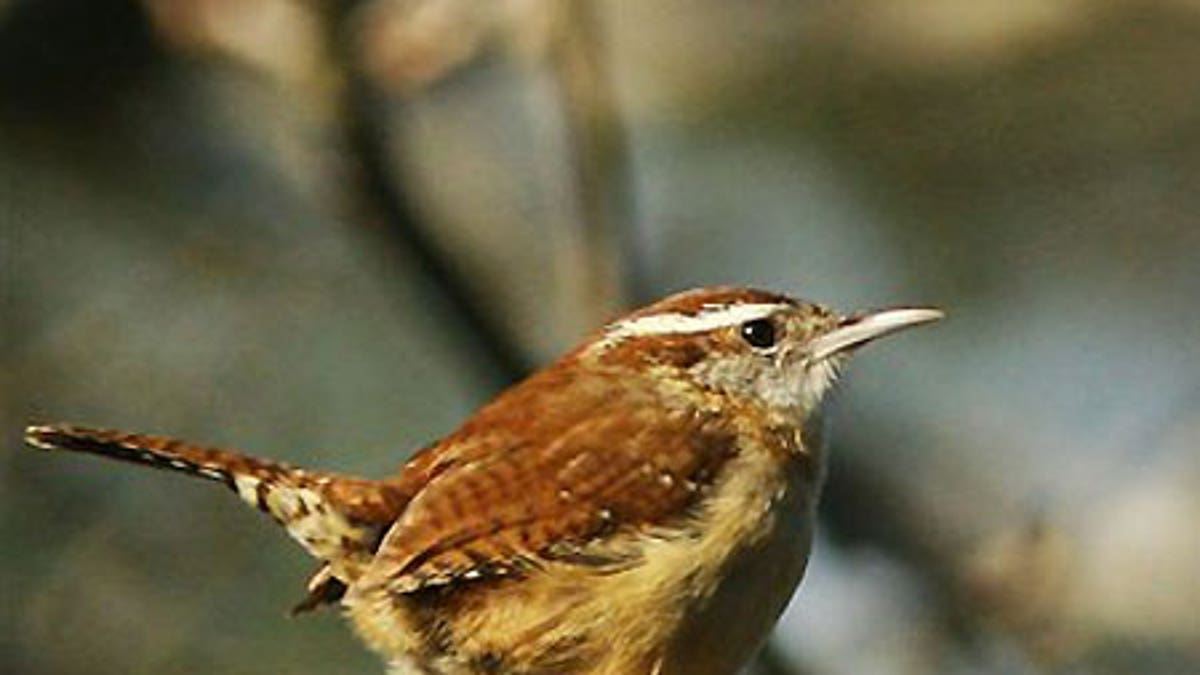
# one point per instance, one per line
(497, 499)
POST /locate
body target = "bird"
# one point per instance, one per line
(643, 505)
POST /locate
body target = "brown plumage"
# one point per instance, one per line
(618, 458)
(606, 515)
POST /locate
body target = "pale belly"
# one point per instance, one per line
(723, 633)
(697, 606)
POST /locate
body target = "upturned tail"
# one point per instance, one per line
(338, 519)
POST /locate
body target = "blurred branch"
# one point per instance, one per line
(385, 205)
(596, 250)
(599, 260)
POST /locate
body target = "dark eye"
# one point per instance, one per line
(759, 333)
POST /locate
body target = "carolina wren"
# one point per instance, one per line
(643, 505)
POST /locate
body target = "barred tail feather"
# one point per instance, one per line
(159, 452)
(338, 519)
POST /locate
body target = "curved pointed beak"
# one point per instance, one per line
(855, 331)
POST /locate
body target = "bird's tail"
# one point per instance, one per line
(338, 519)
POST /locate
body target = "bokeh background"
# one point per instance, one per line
(326, 231)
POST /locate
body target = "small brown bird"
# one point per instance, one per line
(643, 505)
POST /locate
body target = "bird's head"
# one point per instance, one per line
(769, 350)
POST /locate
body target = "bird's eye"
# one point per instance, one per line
(759, 333)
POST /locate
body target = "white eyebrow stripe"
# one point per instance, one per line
(674, 323)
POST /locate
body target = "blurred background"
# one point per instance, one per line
(326, 231)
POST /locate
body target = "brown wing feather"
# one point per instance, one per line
(619, 457)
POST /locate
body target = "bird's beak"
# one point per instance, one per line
(859, 329)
